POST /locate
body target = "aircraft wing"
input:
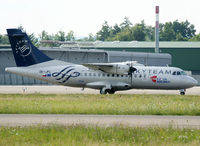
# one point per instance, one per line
(99, 66)
(120, 68)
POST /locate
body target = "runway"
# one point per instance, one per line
(70, 90)
(100, 120)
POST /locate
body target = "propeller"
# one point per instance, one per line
(131, 71)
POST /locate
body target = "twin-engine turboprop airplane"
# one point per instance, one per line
(107, 77)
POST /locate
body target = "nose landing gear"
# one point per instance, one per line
(182, 92)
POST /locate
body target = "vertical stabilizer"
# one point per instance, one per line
(25, 53)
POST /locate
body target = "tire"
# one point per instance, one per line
(182, 93)
(103, 92)
(111, 91)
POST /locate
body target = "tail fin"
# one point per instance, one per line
(25, 53)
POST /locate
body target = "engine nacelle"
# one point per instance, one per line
(121, 69)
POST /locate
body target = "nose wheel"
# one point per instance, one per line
(182, 92)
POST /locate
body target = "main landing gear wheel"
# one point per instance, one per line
(105, 91)
(111, 91)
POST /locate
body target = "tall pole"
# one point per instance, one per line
(157, 31)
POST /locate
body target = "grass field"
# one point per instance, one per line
(99, 104)
(80, 135)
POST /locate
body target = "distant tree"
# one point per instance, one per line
(116, 29)
(21, 27)
(104, 33)
(70, 36)
(195, 38)
(138, 32)
(45, 36)
(150, 33)
(90, 37)
(60, 36)
(4, 39)
(184, 29)
(123, 36)
(34, 39)
(32, 36)
(177, 31)
(166, 32)
(126, 23)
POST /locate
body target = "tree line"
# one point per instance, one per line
(125, 31)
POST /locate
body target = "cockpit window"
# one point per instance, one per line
(179, 73)
(183, 73)
(174, 73)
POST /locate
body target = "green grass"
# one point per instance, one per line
(99, 104)
(80, 135)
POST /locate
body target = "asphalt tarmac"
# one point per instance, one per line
(13, 120)
(71, 90)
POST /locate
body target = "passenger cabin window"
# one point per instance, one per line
(178, 73)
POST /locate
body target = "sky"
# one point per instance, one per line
(87, 16)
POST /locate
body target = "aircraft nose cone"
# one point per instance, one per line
(193, 82)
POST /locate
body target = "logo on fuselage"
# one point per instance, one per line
(155, 79)
(23, 48)
(65, 74)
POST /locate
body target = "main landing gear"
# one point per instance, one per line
(105, 91)
(182, 92)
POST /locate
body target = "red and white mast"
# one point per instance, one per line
(157, 31)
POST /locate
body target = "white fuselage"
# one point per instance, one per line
(145, 77)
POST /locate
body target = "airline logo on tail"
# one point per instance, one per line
(23, 48)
